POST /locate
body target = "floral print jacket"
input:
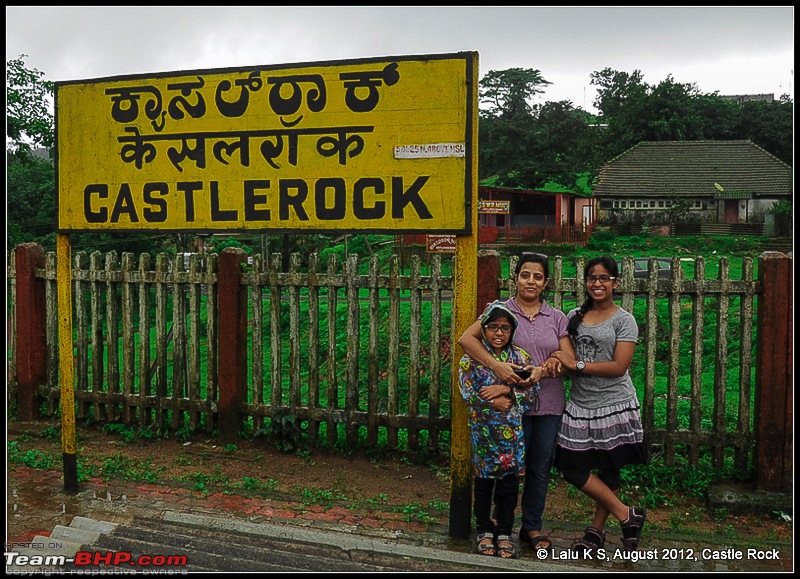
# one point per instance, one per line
(498, 447)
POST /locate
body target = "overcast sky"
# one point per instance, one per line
(732, 50)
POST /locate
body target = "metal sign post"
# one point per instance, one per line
(65, 360)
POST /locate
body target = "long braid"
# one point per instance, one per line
(575, 321)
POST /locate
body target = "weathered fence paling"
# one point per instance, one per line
(366, 354)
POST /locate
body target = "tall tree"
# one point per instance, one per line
(717, 116)
(30, 179)
(508, 129)
(620, 99)
(508, 93)
(29, 122)
(769, 125)
(566, 139)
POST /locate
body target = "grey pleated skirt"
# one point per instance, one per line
(606, 438)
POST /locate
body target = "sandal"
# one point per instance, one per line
(485, 545)
(506, 549)
(534, 540)
(632, 528)
(592, 540)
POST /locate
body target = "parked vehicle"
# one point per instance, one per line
(640, 265)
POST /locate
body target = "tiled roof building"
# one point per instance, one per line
(724, 181)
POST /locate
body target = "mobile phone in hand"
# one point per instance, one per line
(523, 373)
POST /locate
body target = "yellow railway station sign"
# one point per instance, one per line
(370, 145)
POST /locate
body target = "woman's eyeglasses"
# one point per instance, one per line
(505, 328)
(600, 278)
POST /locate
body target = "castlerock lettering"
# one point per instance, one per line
(256, 200)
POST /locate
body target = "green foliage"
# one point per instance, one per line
(286, 431)
(28, 118)
(508, 92)
(202, 481)
(770, 125)
(122, 467)
(655, 482)
(130, 433)
(711, 247)
(184, 433)
(255, 484)
(415, 513)
(31, 458)
(784, 207)
(51, 432)
(31, 203)
(525, 145)
(218, 245)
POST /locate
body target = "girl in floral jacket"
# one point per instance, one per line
(498, 448)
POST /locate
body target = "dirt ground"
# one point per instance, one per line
(387, 480)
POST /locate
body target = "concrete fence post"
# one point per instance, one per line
(232, 350)
(31, 329)
(774, 386)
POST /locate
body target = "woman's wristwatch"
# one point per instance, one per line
(580, 366)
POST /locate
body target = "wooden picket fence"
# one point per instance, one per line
(362, 350)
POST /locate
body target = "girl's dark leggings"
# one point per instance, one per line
(505, 492)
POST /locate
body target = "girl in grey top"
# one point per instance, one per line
(601, 430)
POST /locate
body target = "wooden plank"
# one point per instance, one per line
(332, 398)
(651, 353)
(81, 334)
(145, 413)
(98, 378)
(721, 363)
(746, 362)
(674, 341)
(257, 345)
(11, 324)
(160, 376)
(212, 343)
(178, 339)
(373, 368)
(696, 371)
(193, 343)
(393, 325)
(414, 364)
(313, 344)
(438, 358)
(51, 324)
(353, 333)
(112, 333)
(295, 343)
(128, 334)
(275, 297)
